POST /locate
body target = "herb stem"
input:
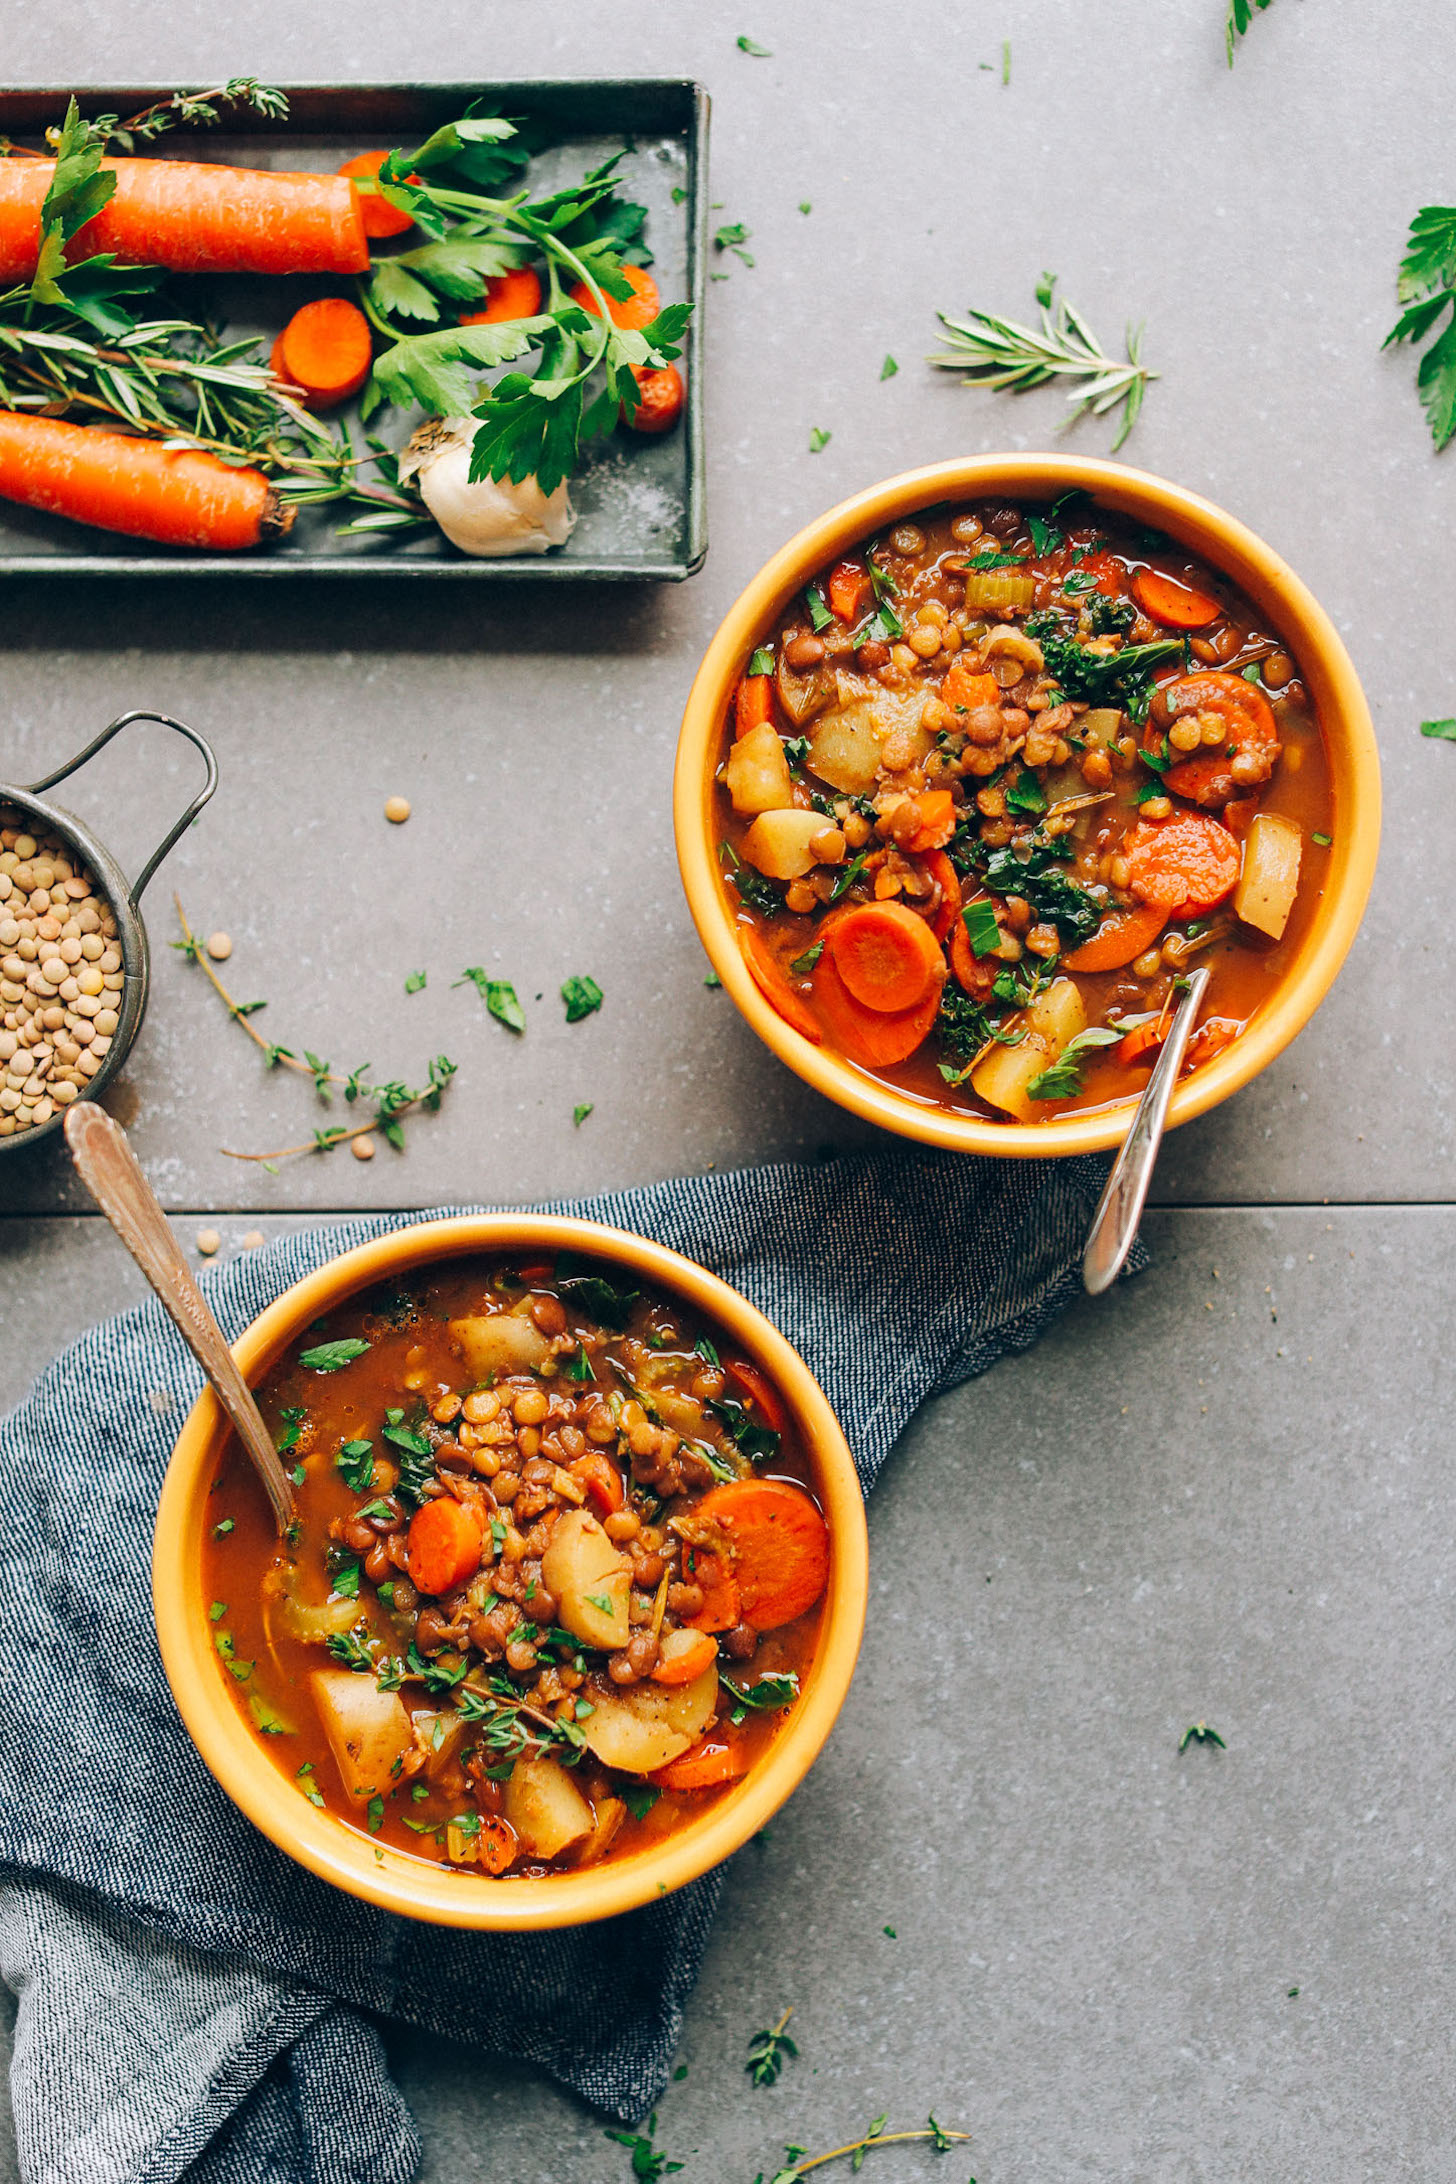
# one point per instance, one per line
(863, 2146)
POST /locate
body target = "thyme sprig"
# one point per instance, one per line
(769, 2050)
(1002, 353)
(187, 110)
(801, 2162)
(391, 1101)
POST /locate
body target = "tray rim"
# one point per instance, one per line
(508, 569)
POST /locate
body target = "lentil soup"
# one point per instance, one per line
(993, 783)
(556, 1576)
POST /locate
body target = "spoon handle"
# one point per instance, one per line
(1120, 1208)
(110, 1171)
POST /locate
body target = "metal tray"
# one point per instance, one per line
(641, 508)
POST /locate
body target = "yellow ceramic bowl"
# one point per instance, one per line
(1225, 543)
(414, 1886)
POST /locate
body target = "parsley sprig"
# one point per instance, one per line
(1426, 286)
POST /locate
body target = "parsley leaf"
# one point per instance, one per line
(592, 1292)
(415, 983)
(580, 1112)
(819, 439)
(819, 614)
(1061, 1079)
(979, 920)
(1425, 285)
(769, 1693)
(499, 996)
(1445, 729)
(803, 964)
(639, 1798)
(755, 51)
(991, 559)
(355, 1465)
(330, 1357)
(1026, 794)
(762, 662)
(889, 368)
(583, 996)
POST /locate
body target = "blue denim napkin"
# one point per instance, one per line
(189, 1999)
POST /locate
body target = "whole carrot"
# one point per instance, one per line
(178, 496)
(194, 219)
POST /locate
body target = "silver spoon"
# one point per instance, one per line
(1120, 1208)
(109, 1169)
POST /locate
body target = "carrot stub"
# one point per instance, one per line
(445, 1539)
(847, 589)
(693, 1660)
(380, 217)
(194, 219)
(512, 295)
(722, 1609)
(875, 1038)
(752, 704)
(764, 970)
(326, 349)
(663, 395)
(709, 1763)
(1175, 605)
(178, 496)
(1187, 864)
(886, 955)
(637, 310)
(1120, 938)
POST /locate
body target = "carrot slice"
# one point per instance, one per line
(1210, 1039)
(948, 880)
(1120, 938)
(690, 1662)
(937, 821)
(637, 310)
(380, 217)
(1139, 1044)
(706, 1766)
(602, 1480)
(976, 974)
(445, 1539)
(194, 218)
(886, 955)
(516, 294)
(327, 350)
(1205, 778)
(662, 397)
(847, 589)
(965, 690)
(872, 1037)
(1109, 575)
(1187, 864)
(763, 968)
(780, 1547)
(1175, 605)
(722, 1608)
(756, 1390)
(752, 704)
(496, 1844)
(179, 496)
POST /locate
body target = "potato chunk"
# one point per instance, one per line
(545, 1807)
(1053, 1019)
(757, 774)
(845, 748)
(640, 1729)
(1269, 881)
(367, 1729)
(504, 1342)
(777, 843)
(592, 1581)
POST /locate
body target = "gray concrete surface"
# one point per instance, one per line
(1185, 1509)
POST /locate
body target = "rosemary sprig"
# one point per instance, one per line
(391, 1101)
(800, 2162)
(768, 2051)
(998, 352)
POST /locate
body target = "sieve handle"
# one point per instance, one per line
(73, 765)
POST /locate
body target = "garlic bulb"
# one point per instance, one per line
(491, 517)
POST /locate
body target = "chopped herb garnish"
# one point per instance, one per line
(759, 1443)
(979, 920)
(640, 1797)
(754, 50)
(355, 1465)
(220, 1531)
(1062, 1079)
(707, 1349)
(889, 368)
(309, 1786)
(1198, 1732)
(819, 614)
(346, 1579)
(713, 982)
(769, 2050)
(592, 1292)
(762, 662)
(1445, 729)
(819, 439)
(499, 996)
(217, 1611)
(1026, 795)
(292, 1428)
(991, 559)
(1323, 840)
(351, 1649)
(768, 1695)
(331, 1357)
(801, 965)
(1122, 679)
(580, 1112)
(848, 877)
(415, 982)
(374, 1812)
(583, 996)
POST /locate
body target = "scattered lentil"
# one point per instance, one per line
(208, 1242)
(397, 810)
